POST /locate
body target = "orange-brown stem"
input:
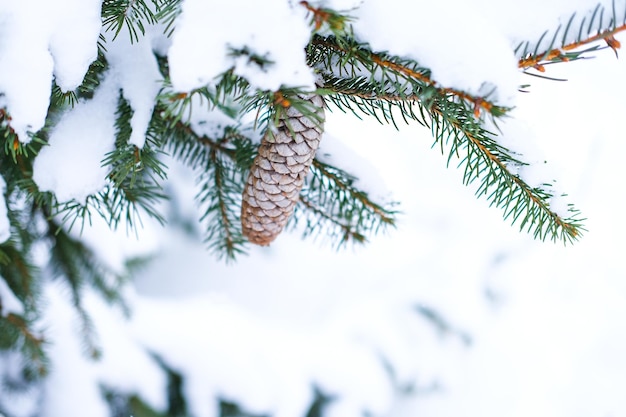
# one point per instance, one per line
(536, 60)
(320, 16)
(478, 102)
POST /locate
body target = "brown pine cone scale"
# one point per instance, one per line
(278, 172)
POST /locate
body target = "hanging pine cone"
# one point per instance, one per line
(278, 172)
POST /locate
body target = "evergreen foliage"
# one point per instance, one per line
(354, 78)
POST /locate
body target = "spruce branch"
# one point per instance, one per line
(331, 178)
(220, 195)
(135, 174)
(222, 159)
(396, 78)
(324, 17)
(18, 335)
(338, 229)
(18, 271)
(134, 14)
(17, 331)
(332, 204)
(126, 204)
(485, 160)
(60, 100)
(134, 185)
(455, 120)
(589, 32)
(182, 142)
(13, 147)
(20, 324)
(129, 164)
(167, 14)
(220, 163)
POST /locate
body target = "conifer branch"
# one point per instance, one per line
(331, 203)
(588, 33)
(60, 100)
(511, 193)
(135, 174)
(321, 16)
(167, 14)
(134, 14)
(20, 324)
(221, 177)
(134, 182)
(392, 68)
(454, 119)
(32, 345)
(12, 145)
(220, 193)
(20, 274)
(331, 186)
(333, 178)
(347, 234)
(17, 271)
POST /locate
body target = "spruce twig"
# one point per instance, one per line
(588, 34)
(418, 76)
(331, 203)
(220, 195)
(451, 115)
(134, 14)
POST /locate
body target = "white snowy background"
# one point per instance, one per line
(533, 328)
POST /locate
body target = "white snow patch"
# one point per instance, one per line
(71, 166)
(353, 373)
(253, 361)
(114, 247)
(124, 364)
(522, 141)
(276, 31)
(40, 38)
(526, 21)
(136, 71)
(71, 370)
(8, 301)
(74, 39)
(211, 123)
(334, 152)
(25, 66)
(464, 54)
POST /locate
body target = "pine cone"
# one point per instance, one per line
(278, 172)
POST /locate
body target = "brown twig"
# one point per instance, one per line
(535, 61)
(478, 102)
(319, 15)
(322, 15)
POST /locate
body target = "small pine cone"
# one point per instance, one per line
(278, 172)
